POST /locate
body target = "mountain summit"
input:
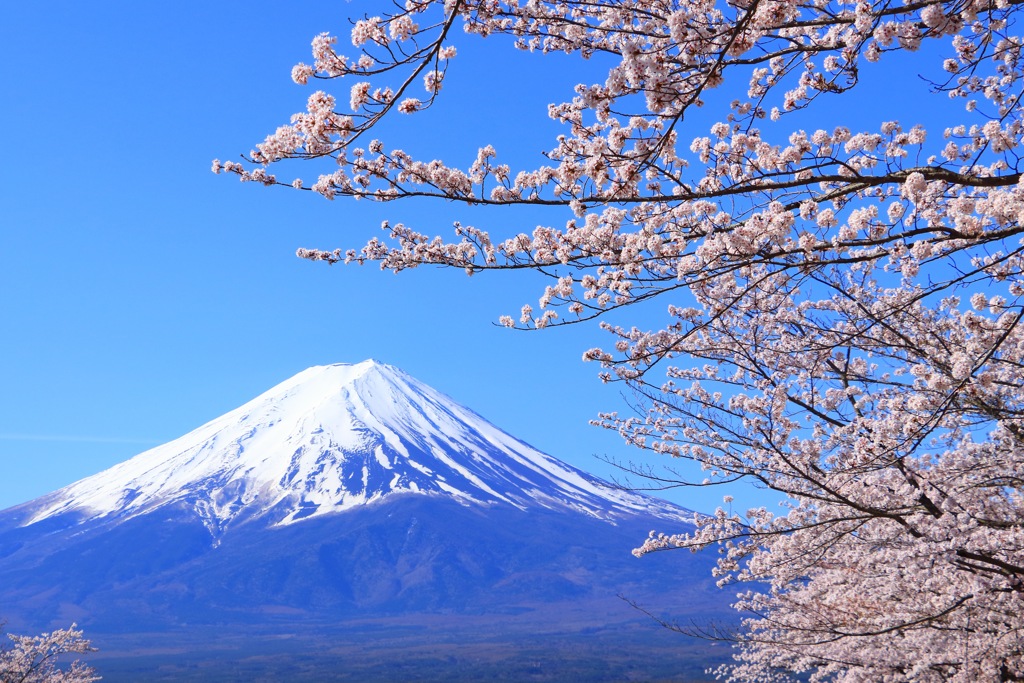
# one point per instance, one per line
(332, 438)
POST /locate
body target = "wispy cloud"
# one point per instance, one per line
(6, 436)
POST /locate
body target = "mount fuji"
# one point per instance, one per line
(334, 438)
(351, 506)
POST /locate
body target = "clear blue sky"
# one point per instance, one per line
(141, 295)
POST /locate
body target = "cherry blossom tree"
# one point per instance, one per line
(842, 308)
(34, 659)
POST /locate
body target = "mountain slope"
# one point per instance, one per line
(329, 439)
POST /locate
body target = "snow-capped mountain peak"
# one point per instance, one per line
(335, 437)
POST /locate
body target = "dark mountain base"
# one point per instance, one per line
(412, 589)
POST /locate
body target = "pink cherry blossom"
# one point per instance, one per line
(842, 308)
(35, 659)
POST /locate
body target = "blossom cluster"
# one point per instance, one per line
(34, 659)
(842, 307)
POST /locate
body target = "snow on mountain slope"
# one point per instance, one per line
(332, 438)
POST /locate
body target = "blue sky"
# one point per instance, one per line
(141, 295)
